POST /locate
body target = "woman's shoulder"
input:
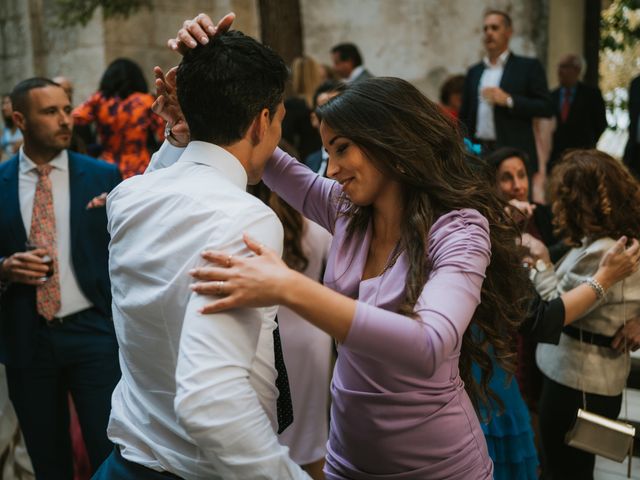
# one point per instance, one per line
(466, 221)
(459, 232)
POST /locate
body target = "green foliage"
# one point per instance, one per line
(79, 12)
(620, 25)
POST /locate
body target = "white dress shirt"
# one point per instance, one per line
(197, 395)
(72, 299)
(491, 77)
(355, 73)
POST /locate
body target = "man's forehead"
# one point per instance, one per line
(51, 95)
(494, 19)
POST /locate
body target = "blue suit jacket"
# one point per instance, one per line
(89, 250)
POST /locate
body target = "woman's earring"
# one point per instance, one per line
(400, 169)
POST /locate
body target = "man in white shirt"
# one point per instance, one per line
(197, 398)
(503, 93)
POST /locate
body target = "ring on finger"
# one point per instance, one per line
(229, 261)
(219, 285)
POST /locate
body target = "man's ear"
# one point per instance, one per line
(260, 126)
(19, 120)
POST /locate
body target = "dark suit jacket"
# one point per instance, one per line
(632, 151)
(89, 250)
(586, 121)
(297, 128)
(314, 161)
(363, 76)
(525, 80)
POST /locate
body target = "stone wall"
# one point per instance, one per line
(423, 41)
(31, 44)
(16, 53)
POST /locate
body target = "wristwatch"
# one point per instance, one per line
(509, 101)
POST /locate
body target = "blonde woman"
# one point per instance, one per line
(306, 76)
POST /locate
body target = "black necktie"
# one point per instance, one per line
(284, 406)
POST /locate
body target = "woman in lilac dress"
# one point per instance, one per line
(421, 250)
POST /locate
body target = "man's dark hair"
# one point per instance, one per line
(505, 16)
(326, 86)
(122, 78)
(222, 86)
(348, 51)
(20, 93)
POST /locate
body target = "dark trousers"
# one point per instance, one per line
(79, 356)
(557, 409)
(115, 467)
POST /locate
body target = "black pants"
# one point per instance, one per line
(81, 357)
(557, 409)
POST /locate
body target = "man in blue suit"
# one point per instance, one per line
(56, 331)
(503, 93)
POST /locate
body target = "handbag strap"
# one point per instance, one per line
(628, 357)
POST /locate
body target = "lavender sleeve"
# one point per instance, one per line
(314, 196)
(460, 251)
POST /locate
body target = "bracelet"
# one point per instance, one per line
(597, 288)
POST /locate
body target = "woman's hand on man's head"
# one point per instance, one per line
(198, 30)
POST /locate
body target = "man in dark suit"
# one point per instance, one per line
(503, 93)
(56, 331)
(579, 110)
(347, 63)
(632, 150)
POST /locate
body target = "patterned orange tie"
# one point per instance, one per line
(43, 234)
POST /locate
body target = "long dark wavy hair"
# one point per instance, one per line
(122, 78)
(593, 195)
(293, 225)
(410, 140)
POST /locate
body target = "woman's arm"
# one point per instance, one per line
(460, 255)
(546, 318)
(314, 196)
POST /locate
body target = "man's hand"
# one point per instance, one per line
(495, 96)
(199, 30)
(98, 201)
(627, 336)
(166, 105)
(25, 267)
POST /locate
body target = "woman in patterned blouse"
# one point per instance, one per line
(121, 109)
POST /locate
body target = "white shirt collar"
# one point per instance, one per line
(502, 60)
(60, 161)
(355, 73)
(218, 158)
